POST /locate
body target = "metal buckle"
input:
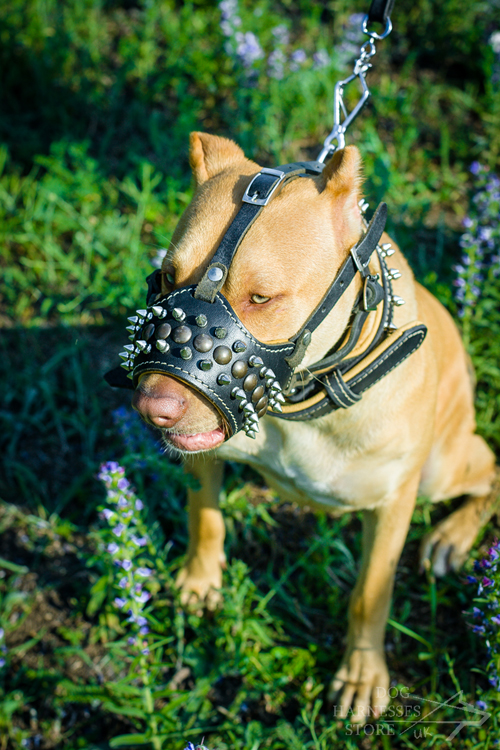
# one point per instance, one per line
(252, 199)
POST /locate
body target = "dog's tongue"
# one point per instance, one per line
(202, 441)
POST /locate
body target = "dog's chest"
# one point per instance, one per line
(307, 465)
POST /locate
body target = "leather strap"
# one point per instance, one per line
(343, 390)
(357, 260)
(380, 11)
(257, 195)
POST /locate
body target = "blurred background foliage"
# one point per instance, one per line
(97, 100)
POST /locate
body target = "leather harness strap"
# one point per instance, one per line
(340, 391)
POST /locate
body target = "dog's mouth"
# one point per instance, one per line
(201, 441)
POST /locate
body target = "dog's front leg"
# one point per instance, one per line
(201, 575)
(360, 686)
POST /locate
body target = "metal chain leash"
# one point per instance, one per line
(341, 117)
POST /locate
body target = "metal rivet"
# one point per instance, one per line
(263, 372)
(250, 382)
(205, 364)
(163, 331)
(130, 375)
(186, 352)
(181, 334)
(159, 311)
(256, 361)
(132, 329)
(261, 404)
(398, 301)
(148, 331)
(162, 346)
(215, 273)
(133, 319)
(130, 347)
(223, 379)
(221, 333)
(239, 369)
(201, 321)
(262, 412)
(126, 365)
(143, 346)
(124, 355)
(203, 342)
(222, 355)
(142, 313)
(248, 409)
(258, 393)
(280, 398)
(239, 394)
(239, 346)
(270, 376)
(277, 407)
(179, 314)
(394, 274)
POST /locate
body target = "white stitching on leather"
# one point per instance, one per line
(343, 386)
(286, 348)
(389, 352)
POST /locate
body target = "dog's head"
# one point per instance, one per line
(283, 267)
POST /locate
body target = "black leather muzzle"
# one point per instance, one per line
(205, 345)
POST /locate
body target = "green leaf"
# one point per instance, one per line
(126, 740)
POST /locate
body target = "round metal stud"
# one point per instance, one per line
(261, 404)
(222, 355)
(221, 333)
(186, 352)
(201, 321)
(181, 334)
(203, 342)
(239, 369)
(148, 331)
(215, 273)
(239, 346)
(223, 379)
(205, 365)
(258, 393)
(250, 382)
(163, 331)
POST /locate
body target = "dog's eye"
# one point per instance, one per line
(258, 299)
(169, 275)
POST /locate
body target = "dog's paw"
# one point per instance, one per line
(359, 688)
(200, 582)
(446, 547)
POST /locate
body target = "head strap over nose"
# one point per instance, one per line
(257, 195)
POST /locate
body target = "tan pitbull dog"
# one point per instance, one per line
(412, 432)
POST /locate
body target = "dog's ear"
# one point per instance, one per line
(209, 155)
(343, 179)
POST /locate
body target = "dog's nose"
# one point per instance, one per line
(160, 400)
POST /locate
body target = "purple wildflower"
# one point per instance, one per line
(144, 572)
(482, 705)
(119, 602)
(298, 58)
(119, 529)
(113, 548)
(140, 541)
(496, 620)
(145, 651)
(139, 505)
(144, 630)
(475, 167)
(123, 582)
(487, 582)
(126, 564)
(107, 513)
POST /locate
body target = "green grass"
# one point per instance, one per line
(99, 100)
